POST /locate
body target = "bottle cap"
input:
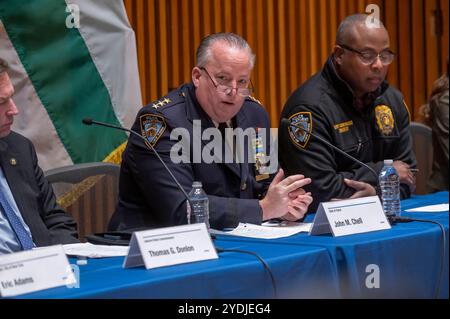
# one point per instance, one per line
(81, 260)
(388, 162)
(197, 184)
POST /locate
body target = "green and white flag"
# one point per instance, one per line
(70, 60)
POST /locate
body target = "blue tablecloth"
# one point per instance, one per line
(407, 255)
(304, 266)
(299, 272)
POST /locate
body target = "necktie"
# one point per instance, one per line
(23, 236)
(226, 144)
(222, 127)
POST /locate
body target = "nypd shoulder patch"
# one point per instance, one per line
(152, 127)
(299, 136)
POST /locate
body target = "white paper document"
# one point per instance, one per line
(95, 251)
(266, 230)
(430, 209)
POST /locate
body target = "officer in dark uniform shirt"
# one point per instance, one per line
(217, 97)
(349, 104)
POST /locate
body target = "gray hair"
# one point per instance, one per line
(347, 26)
(3, 65)
(233, 40)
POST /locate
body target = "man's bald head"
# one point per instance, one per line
(347, 31)
(360, 36)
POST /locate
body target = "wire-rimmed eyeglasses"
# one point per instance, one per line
(369, 57)
(225, 89)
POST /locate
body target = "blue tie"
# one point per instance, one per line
(23, 236)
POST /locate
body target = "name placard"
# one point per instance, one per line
(34, 270)
(351, 216)
(170, 246)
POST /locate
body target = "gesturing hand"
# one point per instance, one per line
(286, 197)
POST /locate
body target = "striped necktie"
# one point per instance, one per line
(23, 236)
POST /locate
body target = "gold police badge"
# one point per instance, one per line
(385, 119)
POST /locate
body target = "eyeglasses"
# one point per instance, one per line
(225, 89)
(369, 57)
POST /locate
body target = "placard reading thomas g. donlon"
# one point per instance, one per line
(170, 246)
(34, 270)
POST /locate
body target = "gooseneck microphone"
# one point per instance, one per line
(89, 121)
(286, 122)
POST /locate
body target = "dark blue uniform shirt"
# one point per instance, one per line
(148, 197)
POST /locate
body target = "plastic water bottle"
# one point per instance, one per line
(389, 181)
(199, 199)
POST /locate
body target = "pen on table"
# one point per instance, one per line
(275, 221)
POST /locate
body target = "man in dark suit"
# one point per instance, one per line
(217, 97)
(29, 215)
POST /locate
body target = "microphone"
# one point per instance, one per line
(392, 219)
(285, 121)
(89, 121)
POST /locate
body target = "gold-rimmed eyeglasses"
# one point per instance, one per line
(226, 89)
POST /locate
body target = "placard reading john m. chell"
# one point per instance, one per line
(351, 216)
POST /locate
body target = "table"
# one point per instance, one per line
(299, 273)
(303, 266)
(407, 255)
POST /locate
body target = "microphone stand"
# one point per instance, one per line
(88, 121)
(284, 121)
(288, 122)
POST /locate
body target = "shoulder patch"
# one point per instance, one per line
(254, 99)
(385, 119)
(152, 127)
(299, 136)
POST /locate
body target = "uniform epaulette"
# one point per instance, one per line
(170, 100)
(254, 99)
(162, 102)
